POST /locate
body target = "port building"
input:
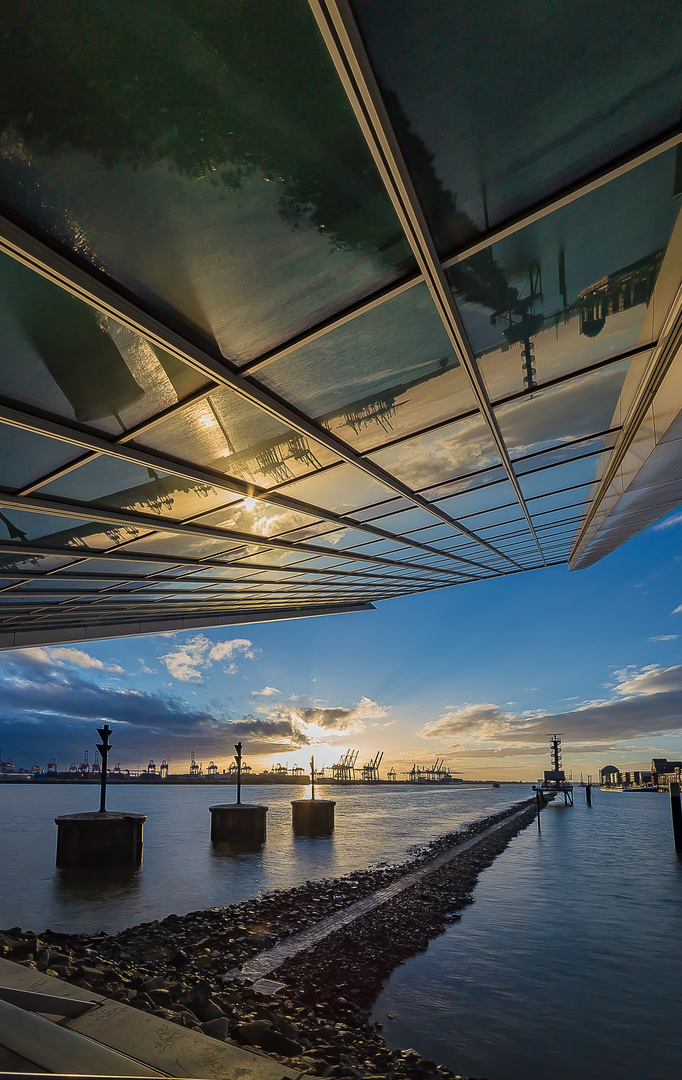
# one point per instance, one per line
(309, 305)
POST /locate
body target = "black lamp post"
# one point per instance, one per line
(104, 749)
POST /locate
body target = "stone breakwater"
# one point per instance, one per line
(319, 1021)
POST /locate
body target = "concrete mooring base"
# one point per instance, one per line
(238, 825)
(313, 817)
(99, 840)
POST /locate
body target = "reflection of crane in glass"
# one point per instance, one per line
(523, 323)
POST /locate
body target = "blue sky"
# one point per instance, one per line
(476, 674)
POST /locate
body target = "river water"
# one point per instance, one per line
(568, 964)
(180, 870)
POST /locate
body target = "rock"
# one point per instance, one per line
(92, 975)
(273, 1042)
(208, 1012)
(217, 1029)
(251, 1032)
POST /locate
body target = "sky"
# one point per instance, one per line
(477, 674)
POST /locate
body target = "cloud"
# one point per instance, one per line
(267, 691)
(59, 656)
(665, 637)
(669, 522)
(68, 706)
(187, 659)
(315, 720)
(643, 702)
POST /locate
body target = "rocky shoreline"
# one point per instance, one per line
(319, 1021)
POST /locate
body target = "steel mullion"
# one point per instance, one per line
(86, 512)
(71, 434)
(337, 25)
(114, 555)
(88, 287)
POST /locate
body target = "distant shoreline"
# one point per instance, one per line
(262, 779)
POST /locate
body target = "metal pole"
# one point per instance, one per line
(312, 778)
(103, 748)
(676, 810)
(538, 804)
(238, 759)
(588, 794)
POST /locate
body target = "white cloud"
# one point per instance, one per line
(58, 656)
(665, 637)
(321, 721)
(643, 702)
(187, 659)
(267, 691)
(669, 522)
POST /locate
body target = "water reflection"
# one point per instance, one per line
(76, 887)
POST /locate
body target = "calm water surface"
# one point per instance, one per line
(568, 964)
(181, 872)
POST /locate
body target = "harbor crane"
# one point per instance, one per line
(163, 771)
(345, 768)
(195, 770)
(370, 771)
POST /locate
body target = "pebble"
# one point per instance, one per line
(320, 1022)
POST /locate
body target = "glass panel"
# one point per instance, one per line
(227, 433)
(483, 498)
(404, 521)
(575, 287)
(54, 582)
(41, 563)
(569, 502)
(565, 452)
(455, 450)
(453, 487)
(192, 547)
(123, 485)
(561, 476)
(382, 375)
(462, 86)
(564, 412)
(59, 354)
(56, 531)
(202, 154)
(117, 566)
(387, 505)
(342, 489)
(259, 518)
(26, 457)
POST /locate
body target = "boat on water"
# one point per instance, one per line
(495, 783)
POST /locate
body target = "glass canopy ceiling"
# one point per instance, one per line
(306, 305)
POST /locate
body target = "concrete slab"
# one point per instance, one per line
(159, 1044)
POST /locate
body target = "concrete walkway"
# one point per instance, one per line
(268, 961)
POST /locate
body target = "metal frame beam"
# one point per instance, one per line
(344, 44)
(90, 513)
(28, 551)
(78, 435)
(23, 637)
(88, 287)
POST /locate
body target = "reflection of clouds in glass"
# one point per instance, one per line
(260, 519)
(461, 448)
(563, 413)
